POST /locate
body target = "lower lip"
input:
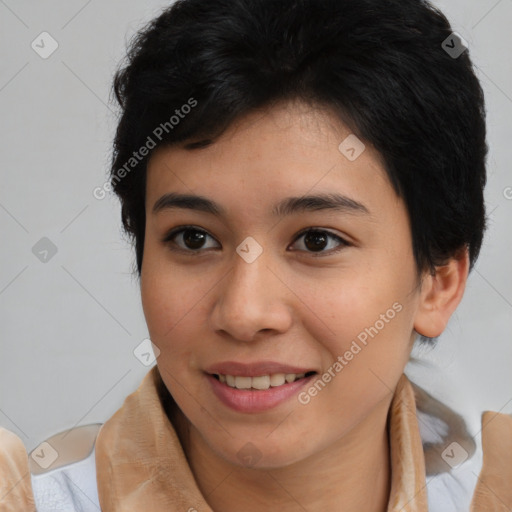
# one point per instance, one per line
(246, 400)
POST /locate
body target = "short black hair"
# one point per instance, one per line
(381, 66)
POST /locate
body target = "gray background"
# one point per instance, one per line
(69, 326)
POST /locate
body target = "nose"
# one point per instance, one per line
(251, 299)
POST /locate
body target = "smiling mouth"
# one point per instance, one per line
(261, 382)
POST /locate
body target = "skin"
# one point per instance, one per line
(291, 305)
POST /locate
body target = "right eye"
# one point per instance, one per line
(187, 239)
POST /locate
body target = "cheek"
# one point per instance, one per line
(358, 306)
(168, 315)
(364, 326)
(168, 292)
(169, 301)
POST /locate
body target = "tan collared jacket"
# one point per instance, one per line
(135, 462)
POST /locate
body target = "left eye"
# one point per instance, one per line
(316, 240)
(193, 239)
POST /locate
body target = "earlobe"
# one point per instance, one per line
(440, 295)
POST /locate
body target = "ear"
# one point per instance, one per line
(440, 294)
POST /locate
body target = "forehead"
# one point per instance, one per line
(289, 150)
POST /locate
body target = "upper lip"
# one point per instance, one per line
(254, 369)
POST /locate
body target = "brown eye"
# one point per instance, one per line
(316, 240)
(193, 239)
(187, 239)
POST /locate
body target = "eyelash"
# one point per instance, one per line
(168, 240)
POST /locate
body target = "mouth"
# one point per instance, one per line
(260, 382)
(256, 387)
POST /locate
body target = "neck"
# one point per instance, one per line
(352, 475)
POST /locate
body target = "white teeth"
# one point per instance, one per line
(243, 382)
(277, 379)
(261, 382)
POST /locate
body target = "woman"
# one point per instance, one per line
(303, 184)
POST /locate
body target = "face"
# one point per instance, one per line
(252, 289)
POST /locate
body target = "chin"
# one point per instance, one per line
(261, 452)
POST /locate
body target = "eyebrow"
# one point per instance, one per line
(287, 206)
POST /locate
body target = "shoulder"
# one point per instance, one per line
(464, 470)
(15, 491)
(63, 471)
(453, 456)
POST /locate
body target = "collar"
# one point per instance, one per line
(141, 465)
(15, 486)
